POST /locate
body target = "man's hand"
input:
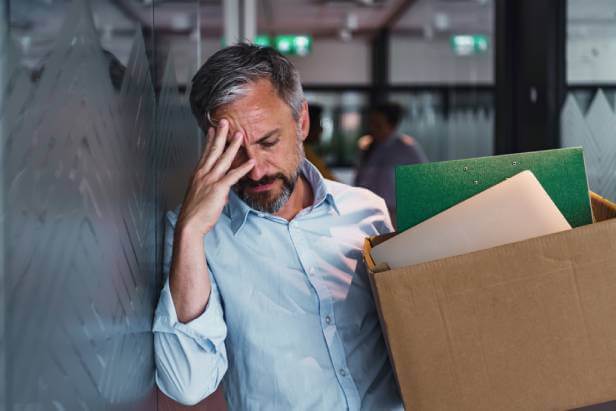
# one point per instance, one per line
(207, 195)
(209, 188)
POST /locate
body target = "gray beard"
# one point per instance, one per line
(262, 202)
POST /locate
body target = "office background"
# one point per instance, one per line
(97, 141)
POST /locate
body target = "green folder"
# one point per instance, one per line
(424, 190)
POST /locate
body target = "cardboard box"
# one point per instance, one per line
(525, 326)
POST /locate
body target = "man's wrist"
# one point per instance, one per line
(188, 232)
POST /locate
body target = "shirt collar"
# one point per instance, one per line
(238, 210)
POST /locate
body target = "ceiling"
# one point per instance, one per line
(325, 18)
(35, 24)
(429, 18)
(321, 18)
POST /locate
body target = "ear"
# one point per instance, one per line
(304, 120)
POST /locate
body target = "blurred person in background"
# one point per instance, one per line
(315, 112)
(383, 150)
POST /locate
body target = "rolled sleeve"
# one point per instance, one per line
(208, 330)
(191, 358)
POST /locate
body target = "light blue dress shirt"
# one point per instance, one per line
(290, 323)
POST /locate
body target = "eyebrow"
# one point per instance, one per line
(267, 135)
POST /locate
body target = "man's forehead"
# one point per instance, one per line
(258, 112)
(251, 123)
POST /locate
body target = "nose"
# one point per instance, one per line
(260, 168)
(258, 171)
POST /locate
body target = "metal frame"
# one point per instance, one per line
(530, 70)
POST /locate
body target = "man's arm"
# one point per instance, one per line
(190, 355)
(189, 279)
(189, 329)
(206, 197)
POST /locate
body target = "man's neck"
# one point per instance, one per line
(301, 197)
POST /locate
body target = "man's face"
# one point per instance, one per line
(271, 137)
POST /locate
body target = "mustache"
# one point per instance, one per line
(246, 182)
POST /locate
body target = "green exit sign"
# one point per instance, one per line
(263, 40)
(467, 44)
(300, 45)
(290, 44)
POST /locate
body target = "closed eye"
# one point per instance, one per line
(270, 139)
(269, 143)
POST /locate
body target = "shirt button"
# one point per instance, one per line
(261, 215)
(328, 319)
(311, 271)
(342, 372)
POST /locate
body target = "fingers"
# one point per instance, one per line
(226, 159)
(208, 145)
(218, 145)
(234, 175)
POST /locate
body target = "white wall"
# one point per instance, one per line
(335, 62)
(591, 41)
(414, 61)
(332, 62)
(591, 59)
(420, 61)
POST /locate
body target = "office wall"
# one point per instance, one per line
(413, 60)
(93, 155)
(588, 115)
(336, 62)
(591, 59)
(420, 61)
(332, 61)
(417, 61)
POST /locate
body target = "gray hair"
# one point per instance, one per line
(225, 77)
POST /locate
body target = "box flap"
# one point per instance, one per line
(602, 208)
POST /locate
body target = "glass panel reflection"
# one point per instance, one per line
(588, 115)
(91, 159)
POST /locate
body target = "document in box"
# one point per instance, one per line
(514, 210)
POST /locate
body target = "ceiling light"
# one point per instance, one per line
(441, 21)
(345, 34)
(181, 22)
(352, 22)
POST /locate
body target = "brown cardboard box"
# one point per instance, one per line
(524, 326)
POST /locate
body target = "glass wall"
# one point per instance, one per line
(449, 123)
(588, 117)
(343, 121)
(442, 72)
(96, 143)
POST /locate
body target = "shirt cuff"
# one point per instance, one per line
(208, 330)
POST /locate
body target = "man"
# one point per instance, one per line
(315, 114)
(388, 149)
(266, 285)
